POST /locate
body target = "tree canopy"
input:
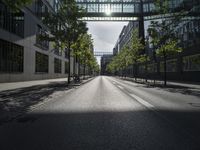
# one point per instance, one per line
(15, 5)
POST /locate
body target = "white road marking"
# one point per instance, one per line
(142, 101)
(120, 87)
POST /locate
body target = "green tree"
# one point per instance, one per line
(129, 55)
(113, 66)
(65, 27)
(136, 49)
(144, 59)
(15, 5)
(162, 32)
(83, 51)
(120, 62)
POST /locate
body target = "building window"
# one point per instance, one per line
(66, 67)
(58, 51)
(66, 53)
(41, 63)
(191, 63)
(44, 44)
(152, 68)
(171, 66)
(141, 69)
(57, 65)
(12, 22)
(11, 57)
(40, 9)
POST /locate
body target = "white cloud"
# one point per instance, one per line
(105, 34)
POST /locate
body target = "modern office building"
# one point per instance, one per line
(23, 56)
(186, 65)
(125, 36)
(105, 60)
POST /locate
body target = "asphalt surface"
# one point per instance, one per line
(109, 114)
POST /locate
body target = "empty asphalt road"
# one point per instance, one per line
(109, 114)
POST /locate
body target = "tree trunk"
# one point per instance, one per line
(78, 68)
(84, 71)
(146, 73)
(69, 74)
(165, 70)
(74, 65)
(135, 72)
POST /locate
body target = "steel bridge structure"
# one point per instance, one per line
(126, 10)
(129, 10)
(102, 53)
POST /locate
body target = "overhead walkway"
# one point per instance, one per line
(101, 53)
(126, 10)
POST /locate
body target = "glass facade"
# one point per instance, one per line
(112, 6)
(66, 67)
(171, 66)
(109, 18)
(57, 65)
(95, 9)
(40, 9)
(188, 32)
(12, 22)
(11, 57)
(152, 68)
(58, 51)
(41, 63)
(191, 63)
(44, 44)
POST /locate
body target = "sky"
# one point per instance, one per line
(105, 35)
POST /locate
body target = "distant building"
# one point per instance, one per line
(125, 36)
(105, 60)
(184, 66)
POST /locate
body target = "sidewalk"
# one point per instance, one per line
(17, 98)
(17, 85)
(160, 83)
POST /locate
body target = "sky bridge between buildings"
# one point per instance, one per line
(126, 10)
(102, 53)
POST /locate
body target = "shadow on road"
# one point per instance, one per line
(14, 102)
(170, 88)
(176, 89)
(126, 130)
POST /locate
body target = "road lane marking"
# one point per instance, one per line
(120, 87)
(142, 101)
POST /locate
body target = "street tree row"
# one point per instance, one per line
(66, 31)
(163, 39)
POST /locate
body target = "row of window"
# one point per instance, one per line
(11, 57)
(189, 63)
(12, 60)
(40, 9)
(42, 64)
(44, 44)
(12, 22)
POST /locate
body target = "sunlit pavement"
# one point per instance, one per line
(109, 114)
